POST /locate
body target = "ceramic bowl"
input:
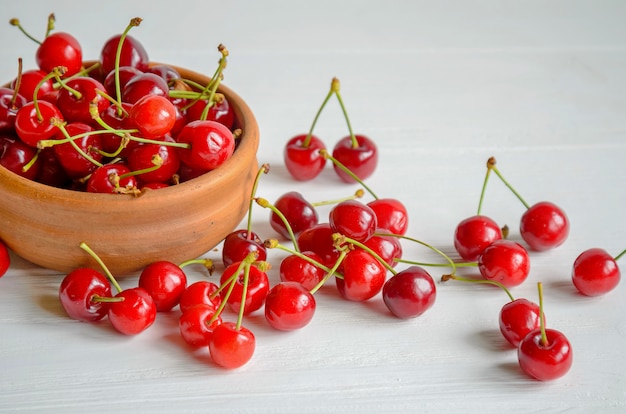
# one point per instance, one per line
(45, 225)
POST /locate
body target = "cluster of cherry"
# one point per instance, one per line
(115, 126)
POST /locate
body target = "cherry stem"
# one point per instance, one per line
(491, 164)
(358, 194)
(51, 20)
(273, 244)
(340, 239)
(324, 153)
(332, 271)
(616, 258)
(542, 318)
(490, 161)
(157, 162)
(335, 86)
(244, 293)
(136, 21)
(207, 263)
(429, 246)
(16, 22)
(56, 72)
(265, 168)
(61, 125)
(266, 204)
(216, 79)
(104, 267)
(445, 278)
(18, 82)
(107, 299)
(45, 143)
(64, 85)
(307, 139)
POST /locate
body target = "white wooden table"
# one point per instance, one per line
(440, 86)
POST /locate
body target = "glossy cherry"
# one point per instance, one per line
(391, 214)
(153, 115)
(60, 49)
(79, 291)
(289, 306)
(132, 54)
(544, 226)
(410, 292)
(15, 156)
(353, 219)
(73, 162)
(211, 144)
(231, 346)
(319, 239)
(359, 156)
(474, 234)
(300, 214)
(293, 268)
(125, 74)
(197, 323)
(258, 287)
(548, 361)
(221, 111)
(165, 282)
(51, 171)
(134, 314)
(141, 158)
(32, 127)
(29, 81)
(302, 158)
(5, 258)
(10, 103)
(517, 318)
(595, 272)
(386, 246)
(111, 179)
(363, 276)
(144, 84)
(505, 261)
(200, 292)
(74, 103)
(239, 243)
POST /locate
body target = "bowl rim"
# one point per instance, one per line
(248, 142)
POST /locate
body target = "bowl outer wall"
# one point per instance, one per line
(45, 225)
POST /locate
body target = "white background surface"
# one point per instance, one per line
(440, 86)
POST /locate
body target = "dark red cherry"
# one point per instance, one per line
(319, 239)
(79, 292)
(73, 162)
(221, 112)
(15, 156)
(143, 85)
(60, 49)
(361, 159)
(410, 292)
(51, 172)
(125, 74)
(10, 102)
(133, 54)
(300, 214)
(304, 162)
(239, 243)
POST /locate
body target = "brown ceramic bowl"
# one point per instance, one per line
(45, 225)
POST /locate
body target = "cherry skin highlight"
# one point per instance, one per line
(410, 292)
(544, 226)
(361, 159)
(595, 272)
(474, 234)
(518, 318)
(545, 362)
(304, 162)
(353, 219)
(79, 291)
(289, 306)
(505, 261)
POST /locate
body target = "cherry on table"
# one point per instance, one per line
(319, 239)
(231, 346)
(410, 292)
(517, 318)
(289, 306)
(200, 292)
(544, 226)
(358, 154)
(294, 268)
(504, 261)
(196, 324)
(165, 282)
(79, 293)
(257, 288)
(363, 276)
(353, 219)
(302, 157)
(595, 272)
(135, 313)
(391, 214)
(239, 243)
(386, 246)
(473, 234)
(299, 213)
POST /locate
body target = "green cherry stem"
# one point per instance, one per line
(335, 86)
(307, 139)
(244, 293)
(56, 72)
(357, 194)
(274, 244)
(332, 271)
(445, 278)
(157, 162)
(18, 83)
(492, 165)
(61, 125)
(324, 153)
(135, 21)
(266, 204)
(340, 239)
(51, 21)
(616, 258)
(491, 161)
(32, 161)
(104, 267)
(542, 318)
(265, 168)
(206, 263)
(16, 22)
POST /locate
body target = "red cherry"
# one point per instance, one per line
(30, 80)
(153, 115)
(125, 74)
(294, 268)
(388, 248)
(361, 159)
(76, 108)
(304, 162)
(15, 155)
(595, 272)
(410, 292)
(391, 214)
(353, 219)
(132, 54)
(363, 276)
(165, 71)
(211, 144)
(257, 289)
(319, 239)
(518, 318)
(144, 84)
(300, 214)
(30, 128)
(51, 171)
(73, 162)
(117, 120)
(102, 180)
(239, 243)
(231, 347)
(221, 112)
(194, 324)
(505, 261)
(10, 102)
(141, 157)
(289, 306)
(165, 282)
(5, 258)
(545, 362)
(200, 292)
(474, 234)
(544, 226)
(135, 313)
(79, 291)
(60, 49)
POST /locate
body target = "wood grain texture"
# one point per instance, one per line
(441, 86)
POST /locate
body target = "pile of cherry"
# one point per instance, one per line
(117, 126)
(358, 247)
